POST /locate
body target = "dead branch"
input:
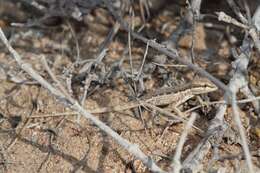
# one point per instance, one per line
(73, 104)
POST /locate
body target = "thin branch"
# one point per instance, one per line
(242, 135)
(176, 163)
(172, 53)
(237, 11)
(142, 65)
(131, 148)
(228, 19)
(253, 28)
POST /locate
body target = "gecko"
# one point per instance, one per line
(196, 87)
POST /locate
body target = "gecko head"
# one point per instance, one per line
(202, 86)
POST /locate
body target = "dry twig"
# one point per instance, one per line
(176, 163)
(73, 104)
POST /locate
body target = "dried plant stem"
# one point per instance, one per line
(242, 135)
(176, 163)
(131, 148)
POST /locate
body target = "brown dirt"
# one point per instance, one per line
(60, 144)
